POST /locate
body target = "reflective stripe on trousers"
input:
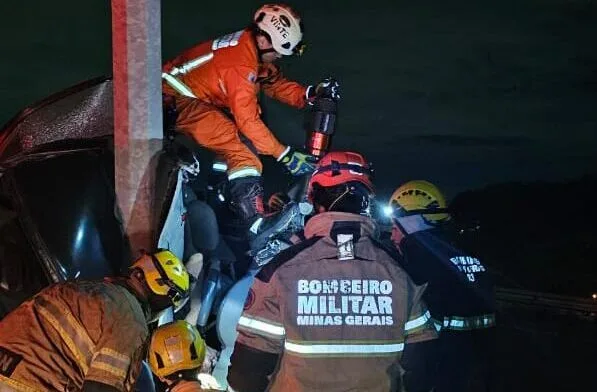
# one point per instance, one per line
(244, 172)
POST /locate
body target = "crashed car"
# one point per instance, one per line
(59, 218)
(57, 196)
(58, 215)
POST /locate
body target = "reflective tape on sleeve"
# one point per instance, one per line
(418, 322)
(457, 323)
(112, 362)
(72, 333)
(261, 326)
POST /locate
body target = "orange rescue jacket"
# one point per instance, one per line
(226, 72)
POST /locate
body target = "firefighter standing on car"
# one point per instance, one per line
(89, 336)
(336, 310)
(460, 293)
(226, 74)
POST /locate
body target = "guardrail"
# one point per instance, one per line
(545, 301)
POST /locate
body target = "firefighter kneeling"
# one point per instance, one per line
(89, 336)
(341, 275)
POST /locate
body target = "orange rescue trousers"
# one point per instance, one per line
(211, 128)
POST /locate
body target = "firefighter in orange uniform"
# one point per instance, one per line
(89, 336)
(226, 74)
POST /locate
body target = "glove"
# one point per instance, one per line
(327, 88)
(297, 163)
(277, 201)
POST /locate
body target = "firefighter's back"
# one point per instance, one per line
(68, 333)
(208, 66)
(348, 310)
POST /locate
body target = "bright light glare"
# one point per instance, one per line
(387, 210)
(594, 295)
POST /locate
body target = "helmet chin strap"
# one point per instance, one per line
(261, 52)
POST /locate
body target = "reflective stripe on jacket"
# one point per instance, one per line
(72, 332)
(460, 291)
(338, 307)
(227, 73)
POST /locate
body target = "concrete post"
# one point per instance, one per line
(136, 43)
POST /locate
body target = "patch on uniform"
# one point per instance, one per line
(250, 300)
(8, 362)
(252, 77)
(345, 244)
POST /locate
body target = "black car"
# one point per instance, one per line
(57, 193)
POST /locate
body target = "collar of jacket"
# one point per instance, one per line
(125, 282)
(321, 224)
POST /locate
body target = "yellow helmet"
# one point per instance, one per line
(165, 275)
(418, 196)
(175, 347)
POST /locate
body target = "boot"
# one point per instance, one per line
(247, 201)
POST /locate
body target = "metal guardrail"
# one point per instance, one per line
(546, 301)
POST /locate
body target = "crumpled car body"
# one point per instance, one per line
(58, 215)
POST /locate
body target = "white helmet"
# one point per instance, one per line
(283, 26)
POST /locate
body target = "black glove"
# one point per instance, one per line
(296, 162)
(327, 88)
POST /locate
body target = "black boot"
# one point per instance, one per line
(247, 201)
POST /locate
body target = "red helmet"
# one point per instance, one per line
(340, 167)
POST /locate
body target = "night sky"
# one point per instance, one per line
(463, 93)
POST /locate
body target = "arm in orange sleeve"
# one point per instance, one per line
(241, 89)
(276, 86)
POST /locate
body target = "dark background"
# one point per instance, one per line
(463, 93)
(466, 94)
(494, 101)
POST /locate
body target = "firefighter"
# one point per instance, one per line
(89, 336)
(224, 75)
(460, 293)
(335, 312)
(175, 355)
